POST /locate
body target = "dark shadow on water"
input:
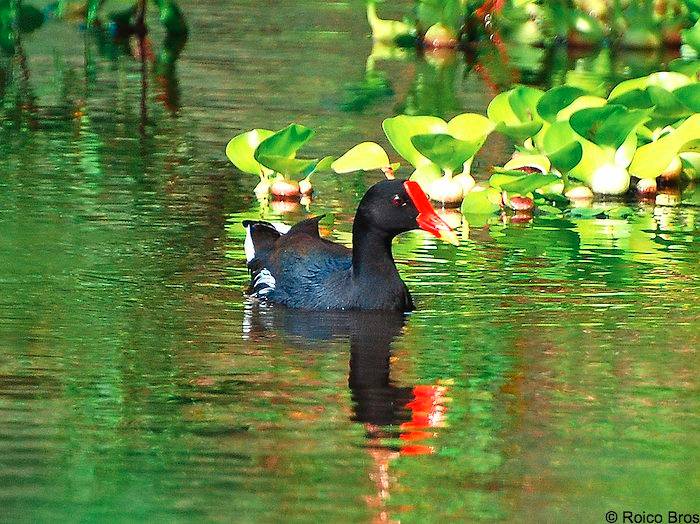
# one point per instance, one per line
(377, 400)
(397, 420)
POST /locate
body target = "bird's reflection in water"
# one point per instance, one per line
(389, 412)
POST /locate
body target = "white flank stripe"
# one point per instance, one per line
(265, 281)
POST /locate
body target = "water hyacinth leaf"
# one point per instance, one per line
(529, 160)
(567, 157)
(241, 149)
(523, 100)
(691, 37)
(529, 183)
(499, 110)
(556, 199)
(547, 209)
(580, 103)
(444, 150)
(515, 107)
(593, 158)
(666, 103)
(426, 175)
(687, 67)
(555, 100)
(322, 165)
(363, 157)
(689, 96)
(520, 132)
(558, 135)
(669, 80)
(691, 164)
(614, 131)
(608, 125)
(651, 159)
(291, 167)
(284, 143)
(481, 201)
(633, 99)
(504, 176)
(624, 153)
(400, 129)
(299, 168)
(470, 127)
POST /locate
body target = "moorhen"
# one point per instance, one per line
(300, 269)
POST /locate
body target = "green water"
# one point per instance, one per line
(549, 374)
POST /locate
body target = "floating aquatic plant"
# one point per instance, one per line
(272, 156)
(443, 164)
(367, 156)
(515, 113)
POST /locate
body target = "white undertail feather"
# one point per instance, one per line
(248, 246)
(282, 228)
(264, 282)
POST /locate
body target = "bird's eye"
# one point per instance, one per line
(398, 201)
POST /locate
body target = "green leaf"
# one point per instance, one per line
(499, 110)
(689, 96)
(296, 167)
(470, 127)
(521, 132)
(426, 174)
(523, 101)
(290, 167)
(323, 165)
(365, 157)
(666, 103)
(241, 149)
(558, 135)
(633, 99)
(444, 150)
(284, 143)
(557, 99)
(504, 176)
(691, 36)
(651, 159)
(527, 184)
(400, 129)
(667, 79)
(481, 202)
(582, 102)
(515, 107)
(688, 67)
(608, 125)
(550, 210)
(526, 159)
(567, 157)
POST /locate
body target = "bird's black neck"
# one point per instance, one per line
(371, 252)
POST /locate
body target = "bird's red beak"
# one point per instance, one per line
(428, 220)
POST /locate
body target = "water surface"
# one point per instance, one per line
(549, 373)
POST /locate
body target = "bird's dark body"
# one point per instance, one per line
(301, 270)
(313, 273)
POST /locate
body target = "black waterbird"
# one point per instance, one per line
(300, 269)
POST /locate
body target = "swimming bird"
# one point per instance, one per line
(300, 269)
